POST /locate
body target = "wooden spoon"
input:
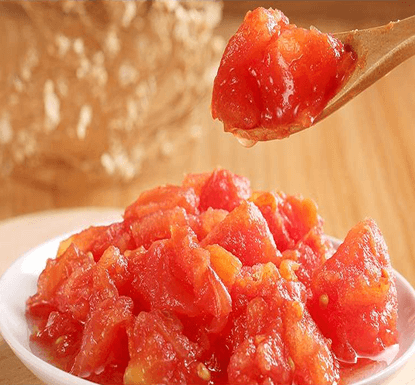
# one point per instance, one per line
(379, 50)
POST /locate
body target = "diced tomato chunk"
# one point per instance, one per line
(204, 223)
(157, 225)
(310, 253)
(83, 290)
(289, 217)
(224, 190)
(260, 360)
(54, 275)
(116, 265)
(234, 93)
(97, 239)
(82, 240)
(104, 329)
(275, 77)
(225, 264)
(313, 360)
(161, 354)
(268, 318)
(189, 287)
(354, 295)
(196, 181)
(245, 234)
(163, 198)
(117, 235)
(59, 339)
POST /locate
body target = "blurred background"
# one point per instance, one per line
(101, 100)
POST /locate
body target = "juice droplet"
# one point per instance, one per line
(246, 142)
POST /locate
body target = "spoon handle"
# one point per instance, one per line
(379, 50)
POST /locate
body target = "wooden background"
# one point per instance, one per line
(359, 162)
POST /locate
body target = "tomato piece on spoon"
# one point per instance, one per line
(275, 78)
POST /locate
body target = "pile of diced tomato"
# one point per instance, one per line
(211, 283)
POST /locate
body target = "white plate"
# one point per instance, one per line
(20, 280)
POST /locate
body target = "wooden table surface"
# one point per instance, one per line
(358, 163)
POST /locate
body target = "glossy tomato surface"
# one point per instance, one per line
(211, 283)
(274, 77)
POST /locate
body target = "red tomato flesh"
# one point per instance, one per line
(209, 283)
(354, 295)
(274, 77)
